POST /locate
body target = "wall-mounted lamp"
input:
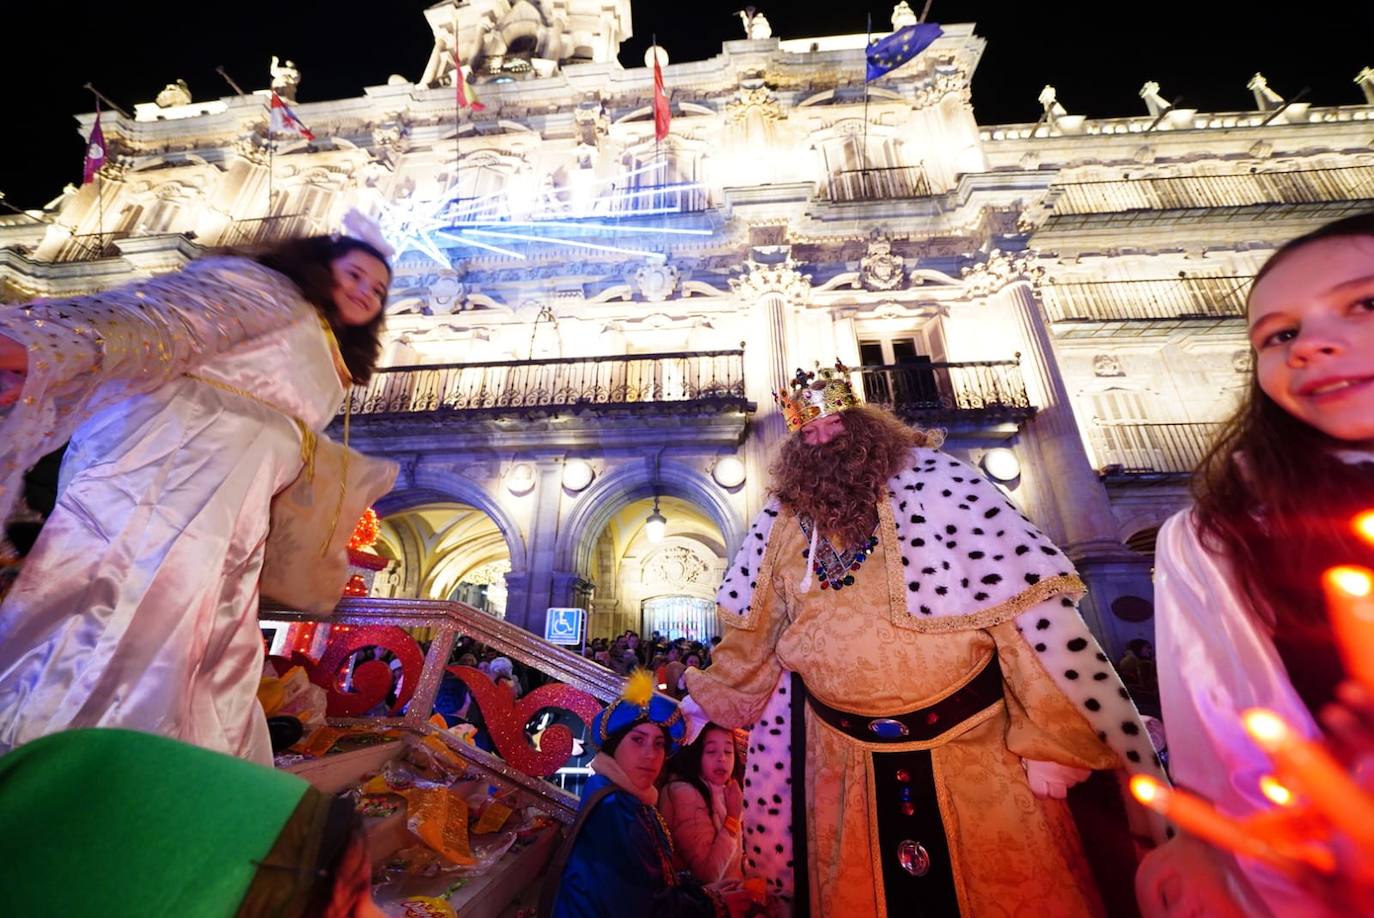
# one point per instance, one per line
(1001, 464)
(577, 474)
(729, 472)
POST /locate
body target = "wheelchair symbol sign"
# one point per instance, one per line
(564, 626)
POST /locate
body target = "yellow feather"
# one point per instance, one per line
(639, 687)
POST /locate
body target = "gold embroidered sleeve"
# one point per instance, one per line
(744, 666)
(1044, 724)
(86, 353)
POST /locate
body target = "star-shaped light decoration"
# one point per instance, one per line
(433, 226)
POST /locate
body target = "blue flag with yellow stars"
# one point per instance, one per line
(889, 53)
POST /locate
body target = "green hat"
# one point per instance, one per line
(114, 823)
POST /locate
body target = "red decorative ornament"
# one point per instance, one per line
(355, 586)
(506, 719)
(372, 680)
(366, 532)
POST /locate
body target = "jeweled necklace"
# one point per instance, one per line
(835, 569)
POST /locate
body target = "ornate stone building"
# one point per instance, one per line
(586, 325)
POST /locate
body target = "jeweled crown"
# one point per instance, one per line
(816, 394)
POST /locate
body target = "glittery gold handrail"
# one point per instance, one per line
(451, 619)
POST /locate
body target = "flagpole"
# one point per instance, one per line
(106, 99)
(458, 109)
(99, 182)
(863, 149)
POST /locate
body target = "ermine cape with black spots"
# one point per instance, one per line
(965, 559)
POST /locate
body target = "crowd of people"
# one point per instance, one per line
(903, 700)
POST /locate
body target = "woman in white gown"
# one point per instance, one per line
(1240, 618)
(184, 398)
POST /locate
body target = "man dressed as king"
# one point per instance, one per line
(921, 689)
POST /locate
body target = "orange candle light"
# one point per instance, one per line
(1350, 603)
(1199, 817)
(1316, 774)
(1364, 526)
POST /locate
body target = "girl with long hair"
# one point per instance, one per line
(1240, 618)
(702, 804)
(187, 399)
(617, 859)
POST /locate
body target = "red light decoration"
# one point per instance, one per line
(366, 532)
(355, 586)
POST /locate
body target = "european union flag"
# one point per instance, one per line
(889, 53)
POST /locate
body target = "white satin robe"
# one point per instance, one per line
(138, 606)
(1216, 660)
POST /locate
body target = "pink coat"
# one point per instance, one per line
(701, 843)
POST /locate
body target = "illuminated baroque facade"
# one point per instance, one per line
(584, 320)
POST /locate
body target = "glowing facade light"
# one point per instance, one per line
(656, 524)
(577, 474)
(1001, 464)
(729, 472)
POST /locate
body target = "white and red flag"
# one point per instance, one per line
(662, 115)
(284, 121)
(467, 93)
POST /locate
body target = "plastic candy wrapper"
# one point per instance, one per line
(420, 907)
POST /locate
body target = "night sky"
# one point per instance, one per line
(1097, 55)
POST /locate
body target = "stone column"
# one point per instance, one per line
(772, 289)
(1070, 502)
(530, 593)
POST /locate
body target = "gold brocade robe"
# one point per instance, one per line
(1013, 854)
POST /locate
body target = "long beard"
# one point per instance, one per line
(837, 486)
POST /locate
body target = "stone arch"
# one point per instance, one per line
(429, 487)
(627, 484)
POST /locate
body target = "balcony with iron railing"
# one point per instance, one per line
(971, 394)
(260, 230)
(1129, 449)
(1184, 192)
(88, 247)
(887, 183)
(658, 382)
(631, 199)
(1146, 300)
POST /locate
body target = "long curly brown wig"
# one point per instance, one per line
(838, 484)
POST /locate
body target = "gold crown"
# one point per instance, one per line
(814, 395)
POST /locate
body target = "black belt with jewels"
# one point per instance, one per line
(916, 875)
(922, 724)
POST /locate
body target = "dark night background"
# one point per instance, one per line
(1096, 54)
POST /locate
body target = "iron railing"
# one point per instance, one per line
(259, 230)
(1303, 186)
(629, 200)
(1158, 298)
(639, 379)
(1155, 448)
(89, 247)
(878, 184)
(935, 391)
